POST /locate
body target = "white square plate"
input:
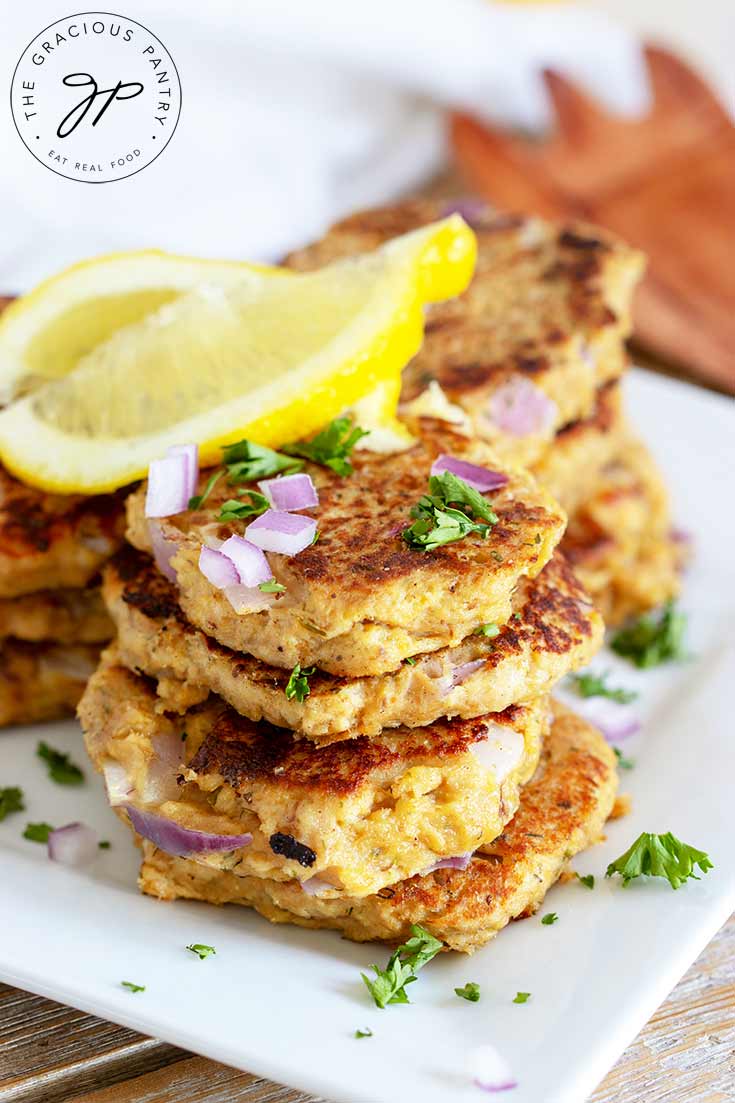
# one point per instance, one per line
(284, 1003)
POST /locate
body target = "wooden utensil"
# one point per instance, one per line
(665, 182)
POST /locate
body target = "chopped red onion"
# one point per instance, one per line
(520, 408)
(177, 840)
(682, 536)
(285, 533)
(217, 568)
(191, 454)
(616, 722)
(481, 478)
(489, 1070)
(163, 769)
(168, 483)
(117, 783)
(469, 207)
(316, 886)
(462, 672)
(290, 492)
(500, 751)
(460, 862)
(248, 599)
(249, 562)
(73, 845)
(163, 550)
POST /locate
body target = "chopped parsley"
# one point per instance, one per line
(588, 880)
(489, 630)
(236, 509)
(332, 447)
(660, 856)
(549, 918)
(298, 684)
(437, 521)
(389, 984)
(61, 769)
(521, 997)
(201, 950)
(271, 587)
(594, 685)
(246, 462)
(410, 661)
(470, 991)
(652, 640)
(623, 762)
(199, 499)
(366, 1033)
(37, 832)
(11, 800)
(104, 844)
(132, 987)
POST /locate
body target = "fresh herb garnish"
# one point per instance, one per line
(410, 661)
(61, 769)
(389, 984)
(660, 856)
(489, 630)
(132, 987)
(236, 509)
(470, 991)
(271, 587)
(549, 918)
(332, 447)
(588, 880)
(199, 499)
(246, 461)
(366, 1033)
(623, 762)
(594, 685)
(37, 832)
(652, 640)
(11, 800)
(437, 521)
(522, 997)
(298, 684)
(104, 844)
(201, 950)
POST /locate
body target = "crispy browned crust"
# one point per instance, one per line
(50, 541)
(562, 811)
(360, 600)
(552, 630)
(42, 681)
(61, 616)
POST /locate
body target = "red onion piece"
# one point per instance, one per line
(163, 550)
(520, 408)
(167, 486)
(500, 751)
(462, 672)
(191, 454)
(681, 536)
(117, 783)
(249, 562)
(616, 722)
(469, 207)
(460, 862)
(248, 599)
(73, 845)
(316, 886)
(490, 1071)
(163, 769)
(177, 840)
(290, 492)
(481, 478)
(285, 533)
(217, 568)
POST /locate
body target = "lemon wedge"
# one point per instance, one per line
(272, 359)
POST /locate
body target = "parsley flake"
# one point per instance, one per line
(246, 462)
(271, 587)
(198, 500)
(594, 685)
(201, 950)
(549, 918)
(521, 997)
(650, 641)
(37, 832)
(660, 856)
(236, 509)
(366, 1033)
(489, 630)
(332, 447)
(588, 880)
(410, 661)
(389, 984)
(437, 521)
(104, 844)
(132, 987)
(623, 762)
(61, 769)
(470, 991)
(298, 684)
(11, 800)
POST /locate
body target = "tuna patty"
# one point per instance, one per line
(562, 811)
(549, 305)
(42, 681)
(552, 630)
(360, 600)
(358, 814)
(53, 541)
(62, 616)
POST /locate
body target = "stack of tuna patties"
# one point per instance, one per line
(531, 358)
(52, 618)
(367, 741)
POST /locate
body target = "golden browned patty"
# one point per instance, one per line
(52, 541)
(620, 541)
(359, 601)
(358, 814)
(548, 304)
(553, 629)
(562, 811)
(62, 616)
(42, 681)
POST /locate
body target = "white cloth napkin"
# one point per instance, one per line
(295, 113)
